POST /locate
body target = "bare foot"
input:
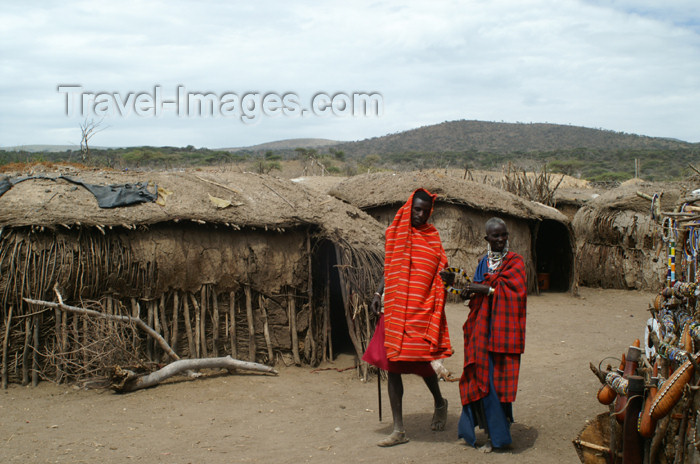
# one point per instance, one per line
(487, 448)
(396, 438)
(440, 417)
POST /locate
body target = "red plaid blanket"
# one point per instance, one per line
(496, 325)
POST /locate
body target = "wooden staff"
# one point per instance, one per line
(379, 392)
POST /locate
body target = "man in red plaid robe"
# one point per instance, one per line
(494, 339)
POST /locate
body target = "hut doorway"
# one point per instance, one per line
(553, 257)
(328, 295)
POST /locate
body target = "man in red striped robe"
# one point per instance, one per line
(413, 330)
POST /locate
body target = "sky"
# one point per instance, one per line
(231, 74)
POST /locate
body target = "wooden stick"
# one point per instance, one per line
(89, 312)
(203, 319)
(8, 323)
(188, 326)
(150, 320)
(57, 333)
(266, 329)
(25, 352)
(174, 332)
(277, 193)
(217, 184)
(232, 329)
(292, 315)
(592, 446)
(197, 326)
(215, 324)
(35, 352)
(132, 382)
(163, 320)
(251, 327)
(135, 312)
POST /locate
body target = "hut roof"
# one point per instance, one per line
(625, 197)
(257, 201)
(575, 196)
(384, 188)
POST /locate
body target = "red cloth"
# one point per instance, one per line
(376, 355)
(496, 325)
(414, 296)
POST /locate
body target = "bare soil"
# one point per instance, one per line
(320, 416)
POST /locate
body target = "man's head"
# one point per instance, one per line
(496, 234)
(420, 208)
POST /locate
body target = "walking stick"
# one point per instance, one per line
(379, 392)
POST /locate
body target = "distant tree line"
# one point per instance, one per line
(596, 165)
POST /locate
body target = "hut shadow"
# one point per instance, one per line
(418, 430)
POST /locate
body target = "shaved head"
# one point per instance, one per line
(494, 222)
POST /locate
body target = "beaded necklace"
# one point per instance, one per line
(496, 257)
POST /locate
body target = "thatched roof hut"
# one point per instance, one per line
(541, 234)
(570, 200)
(282, 272)
(618, 243)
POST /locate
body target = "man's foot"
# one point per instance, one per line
(486, 448)
(440, 417)
(396, 438)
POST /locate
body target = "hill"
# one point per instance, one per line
(593, 154)
(287, 144)
(498, 137)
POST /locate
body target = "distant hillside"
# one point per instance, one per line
(288, 144)
(498, 137)
(592, 154)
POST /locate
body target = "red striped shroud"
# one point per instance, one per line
(414, 300)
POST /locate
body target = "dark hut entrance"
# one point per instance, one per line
(329, 296)
(553, 256)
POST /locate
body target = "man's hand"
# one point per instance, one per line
(376, 304)
(447, 277)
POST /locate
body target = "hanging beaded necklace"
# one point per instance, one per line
(496, 257)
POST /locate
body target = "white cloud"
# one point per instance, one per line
(630, 66)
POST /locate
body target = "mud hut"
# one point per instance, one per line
(619, 244)
(570, 200)
(541, 234)
(223, 263)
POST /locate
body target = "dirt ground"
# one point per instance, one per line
(330, 416)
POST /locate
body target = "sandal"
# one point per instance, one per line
(396, 438)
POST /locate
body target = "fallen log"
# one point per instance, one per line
(125, 381)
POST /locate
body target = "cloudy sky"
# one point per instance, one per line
(627, 65)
